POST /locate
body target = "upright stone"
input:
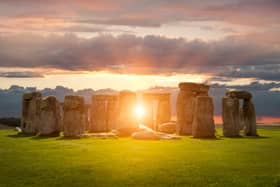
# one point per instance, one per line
(112, 112)
(74, 116)
(231, 117)
(30, 112)
(98, 114)
(249, 117)
(185, 111)
(203, 123)
(50, 117)
(164, 109)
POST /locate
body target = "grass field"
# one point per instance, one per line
(36, 161)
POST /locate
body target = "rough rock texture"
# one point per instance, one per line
(249, 117)
(231, 116)
(185, 108)
(112, 112)
(169, 127)
(164, 110)
(127, 116)
(203, 122)
(236, 118)
(98, 114)
(240, 94)
(74, 116)
(50, 117)
(30, 112)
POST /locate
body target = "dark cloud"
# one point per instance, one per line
(231, 57)
(21, 74)
(147, 13)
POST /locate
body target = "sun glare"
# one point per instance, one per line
(139, 111)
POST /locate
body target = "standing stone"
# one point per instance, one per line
(98, 114)
(185, 111)
(231, 117)
(237, 118)
(74, 116)
(249, 117)
(30, 112)
(164, 109)
(203, 123)
(128, 119)
(112, 112)
(50, 117)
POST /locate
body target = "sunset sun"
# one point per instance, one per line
(139, 110)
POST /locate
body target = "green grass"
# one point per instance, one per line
(35, 161)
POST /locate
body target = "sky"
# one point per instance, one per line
(136, 44)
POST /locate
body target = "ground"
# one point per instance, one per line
(37, 161)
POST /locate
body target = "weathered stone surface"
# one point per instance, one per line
(74, 116)
(112, 112)
(231, 116)
(240, 94)
(249, 117)
(104, 113)
(127, 118)
(98, 114)
(169, 127)
(163, 111)
(30, 112)
(185, 108)
(203, 123)
(50, 117)
(194, 87)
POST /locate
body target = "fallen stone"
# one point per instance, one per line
(145, 135)
(169, 127)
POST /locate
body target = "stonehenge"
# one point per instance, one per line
(235, 118)
(155, 116)
(117, 113)
(195, 111)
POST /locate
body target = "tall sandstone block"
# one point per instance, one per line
(231, 116)
(235, 118)
(30, 112)
(249, 118)
(74, 117)
(104, 113)
(186, 106)
(203, 123)
(50, 117)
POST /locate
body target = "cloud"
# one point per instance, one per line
(23, 74)
(231, 57)
(147, 13)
